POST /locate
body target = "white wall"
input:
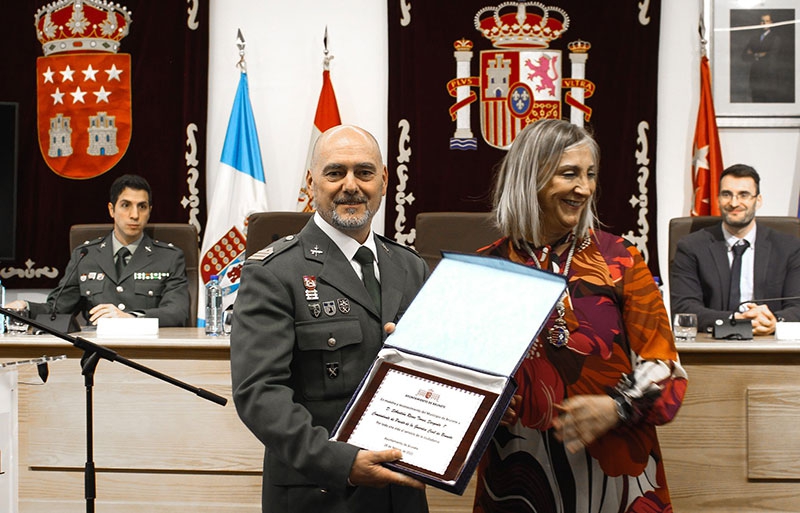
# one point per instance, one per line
(284, 56)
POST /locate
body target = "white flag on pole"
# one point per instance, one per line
(240, 190)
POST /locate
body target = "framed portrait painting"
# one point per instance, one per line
(755, 58)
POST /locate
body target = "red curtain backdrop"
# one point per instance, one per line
(426, 175)
(168, 47)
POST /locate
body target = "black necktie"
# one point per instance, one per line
(365, 257)
(734, 297)
(122, 255)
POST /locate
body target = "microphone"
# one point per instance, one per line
(62, 322)
(741, 329)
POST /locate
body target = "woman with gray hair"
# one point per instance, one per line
(604, 371)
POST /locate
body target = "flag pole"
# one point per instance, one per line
(326, 62)
(240, 43)
(327, 116)
(239, 191)
(701, 28)
(706, 152)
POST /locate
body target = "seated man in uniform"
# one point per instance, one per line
(125, 273)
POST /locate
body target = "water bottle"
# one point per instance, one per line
(213, 307)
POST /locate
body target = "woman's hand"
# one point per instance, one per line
(583, 419)
(512, 412)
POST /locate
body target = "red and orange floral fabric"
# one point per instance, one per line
(618, 326)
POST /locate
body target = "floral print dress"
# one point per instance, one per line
(620, 336)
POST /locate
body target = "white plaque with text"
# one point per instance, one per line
(442, 381)
(432, 420)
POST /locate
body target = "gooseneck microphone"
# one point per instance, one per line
(62, 322)
(741, 329)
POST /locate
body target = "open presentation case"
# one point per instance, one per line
(443, 380)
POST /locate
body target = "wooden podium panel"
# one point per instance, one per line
(773, 444)
(732, 448)
(157, 447)
(737, 396)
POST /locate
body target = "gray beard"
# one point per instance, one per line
(351, 223)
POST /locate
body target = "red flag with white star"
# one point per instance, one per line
(707, 158)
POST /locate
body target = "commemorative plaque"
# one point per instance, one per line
(440, 385)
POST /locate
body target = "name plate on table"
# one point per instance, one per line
(116, 327)
(443, 380)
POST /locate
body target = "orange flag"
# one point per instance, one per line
(707, 156)
(327, 116)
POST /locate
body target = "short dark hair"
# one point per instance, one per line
(134, 182)
(743, 171)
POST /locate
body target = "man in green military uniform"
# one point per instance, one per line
(126, 273)
(306, 329)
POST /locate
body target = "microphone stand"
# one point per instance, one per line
(92, 353)
(62, 322)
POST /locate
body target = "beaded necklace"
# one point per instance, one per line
(558, 334)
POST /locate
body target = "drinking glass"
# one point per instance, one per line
(227, 321)
(685, 326)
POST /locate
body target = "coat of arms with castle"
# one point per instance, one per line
(520, 79)
(83, 86)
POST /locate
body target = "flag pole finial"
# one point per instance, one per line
(240, 43)
(326, 63)
(701, 29)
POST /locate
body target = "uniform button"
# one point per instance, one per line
(331, 342)
(149, 292)
(289, 237)
(119, 288)
(121, 306)
(88, 292)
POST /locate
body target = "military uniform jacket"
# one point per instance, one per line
(699, 279)
(305, 333)
(154, 282)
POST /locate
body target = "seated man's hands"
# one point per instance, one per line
(17, 304)
(762, 318)
(106, 310)
(368, 471)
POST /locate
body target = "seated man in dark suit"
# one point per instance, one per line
(125, 273)
(703, 274)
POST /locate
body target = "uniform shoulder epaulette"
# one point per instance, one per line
(91, 242)
(277, 247)
(396, 244)
(163, 244)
